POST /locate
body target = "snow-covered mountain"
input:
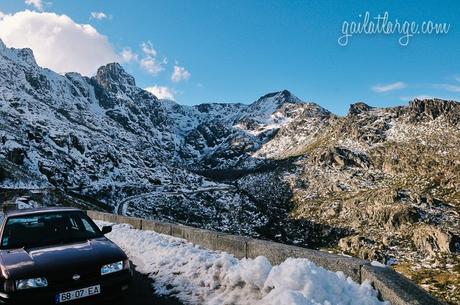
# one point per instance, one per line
(379, 183)
(106, 139)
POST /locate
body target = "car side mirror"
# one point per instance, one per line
(106, 229)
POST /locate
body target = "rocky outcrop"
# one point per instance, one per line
(279, 168)
(434, 108)
(393, 216)
(27, 55)
(343, 157)
(361, 247)
(432, 240)
(358, 108)
(113, 74)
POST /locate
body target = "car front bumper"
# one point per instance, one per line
(112, 286)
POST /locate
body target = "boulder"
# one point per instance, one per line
(432, 240)
(344, 157)
(393, 216)
(361, 247)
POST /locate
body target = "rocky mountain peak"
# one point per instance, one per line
(112, 75)
(25, 55)
(377, 185)
(434, 108)
(270, 102)
(280, 97)
(358, 108)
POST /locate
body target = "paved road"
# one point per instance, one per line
(122, 205)
(141, 293)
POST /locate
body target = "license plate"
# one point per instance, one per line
(78, 294)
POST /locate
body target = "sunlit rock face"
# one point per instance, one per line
(379, 183)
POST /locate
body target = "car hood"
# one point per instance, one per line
(51, 261)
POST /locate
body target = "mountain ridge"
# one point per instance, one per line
(378, 183)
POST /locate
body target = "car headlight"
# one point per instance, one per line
(31, 283)
(114, 267)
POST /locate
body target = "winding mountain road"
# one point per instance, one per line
(122, 206)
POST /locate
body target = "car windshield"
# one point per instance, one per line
(37, 230)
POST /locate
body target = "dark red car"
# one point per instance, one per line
(58, 255)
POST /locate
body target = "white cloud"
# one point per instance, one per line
(151, 65)
(452, 87)
(127, 55)
(388, 87)
(148, 49)
(37, 3)
(179, 74)
(449, 87)
(149, 61)
(1, 15)
(98, 15)
(57, 41)
(161, 92)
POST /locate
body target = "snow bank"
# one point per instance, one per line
(200, 276)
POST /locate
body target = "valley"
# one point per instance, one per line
(379, 183)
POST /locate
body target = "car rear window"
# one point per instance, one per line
(43, 229)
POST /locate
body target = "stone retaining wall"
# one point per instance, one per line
(391, 285)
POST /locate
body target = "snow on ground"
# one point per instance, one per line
(199, 276)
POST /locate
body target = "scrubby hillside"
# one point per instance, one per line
(378, 183)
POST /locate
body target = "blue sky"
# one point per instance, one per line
(236, 51)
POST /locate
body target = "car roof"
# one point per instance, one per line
(40, 211)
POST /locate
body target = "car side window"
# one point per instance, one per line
(74, 224)
(87, 226)
(47, 229)
(5, 239)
